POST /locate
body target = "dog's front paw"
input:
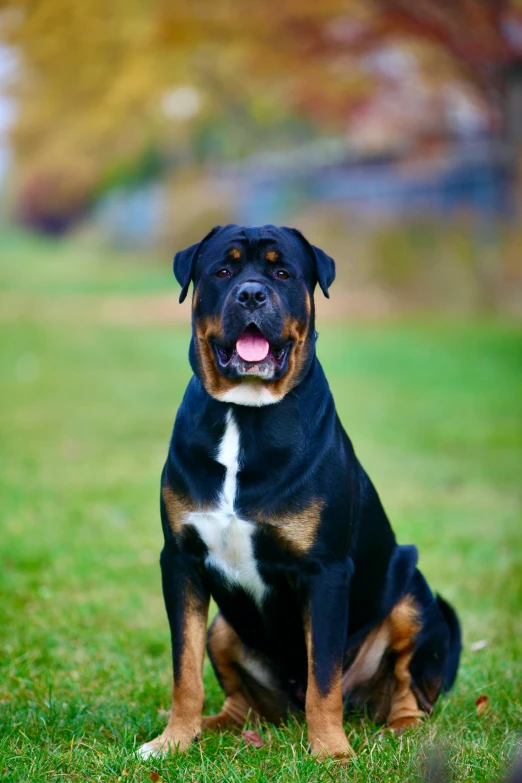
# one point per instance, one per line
(170, 741)
(330, 744)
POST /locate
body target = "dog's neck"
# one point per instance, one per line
(275, 427)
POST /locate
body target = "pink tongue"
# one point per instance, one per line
(252, 347)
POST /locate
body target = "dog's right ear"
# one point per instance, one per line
(185, 263)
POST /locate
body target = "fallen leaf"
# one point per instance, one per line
(155, 777)
(477, 646)
(253, 738)
(482, 705)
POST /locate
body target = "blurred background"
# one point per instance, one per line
(389, 131)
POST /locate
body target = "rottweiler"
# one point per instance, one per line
(266, 509)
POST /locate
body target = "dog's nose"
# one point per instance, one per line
(252, 295)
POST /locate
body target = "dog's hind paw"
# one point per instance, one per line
(402, 723)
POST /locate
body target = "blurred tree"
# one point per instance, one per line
(484, 35)
(100, 84)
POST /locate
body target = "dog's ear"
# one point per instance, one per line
(324, 265)
(185, 263)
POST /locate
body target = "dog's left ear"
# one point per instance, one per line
(185, 263)
(324, 265)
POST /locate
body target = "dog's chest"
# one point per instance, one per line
(227, 537)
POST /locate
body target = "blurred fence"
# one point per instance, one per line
(471, 177)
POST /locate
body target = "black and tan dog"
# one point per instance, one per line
(266, 508)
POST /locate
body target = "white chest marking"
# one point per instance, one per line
(227, 537)
(252, 393)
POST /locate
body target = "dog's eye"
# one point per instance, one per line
(282, 274)
(223, 272)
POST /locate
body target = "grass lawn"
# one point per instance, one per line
(435, 412)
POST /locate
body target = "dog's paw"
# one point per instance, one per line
(148, 750)
(220, 722)
(401, 724)
(332, 744)
(168, 742)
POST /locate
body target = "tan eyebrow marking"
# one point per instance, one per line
(234, 253)
(271, 255)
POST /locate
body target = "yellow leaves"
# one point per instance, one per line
(94, 73)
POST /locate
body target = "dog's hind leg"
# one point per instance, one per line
(224, 648)
(251, 687)
(404, 627)
(379, 677)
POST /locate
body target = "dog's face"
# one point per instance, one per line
(252, 311)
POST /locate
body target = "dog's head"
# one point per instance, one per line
(253, 335)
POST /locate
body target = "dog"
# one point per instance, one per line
(266, 509)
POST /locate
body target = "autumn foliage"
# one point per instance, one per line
(94, 78)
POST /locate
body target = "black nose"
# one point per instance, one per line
(252, 295)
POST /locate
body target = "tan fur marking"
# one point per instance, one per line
(226, 648)
(404, 627)
(271, 255)
(233, 715)
(177, 507)
(187, 692)
(324, 714)
(308, 304)
(297, 529)
(235, 253)
(296, 331)
(206, 329)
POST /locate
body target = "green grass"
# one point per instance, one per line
(435, 411)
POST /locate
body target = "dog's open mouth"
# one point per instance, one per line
(253, 350)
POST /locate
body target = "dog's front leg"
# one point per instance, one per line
(326, 622)
(186, 601)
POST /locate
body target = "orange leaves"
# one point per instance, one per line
(482, 705)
